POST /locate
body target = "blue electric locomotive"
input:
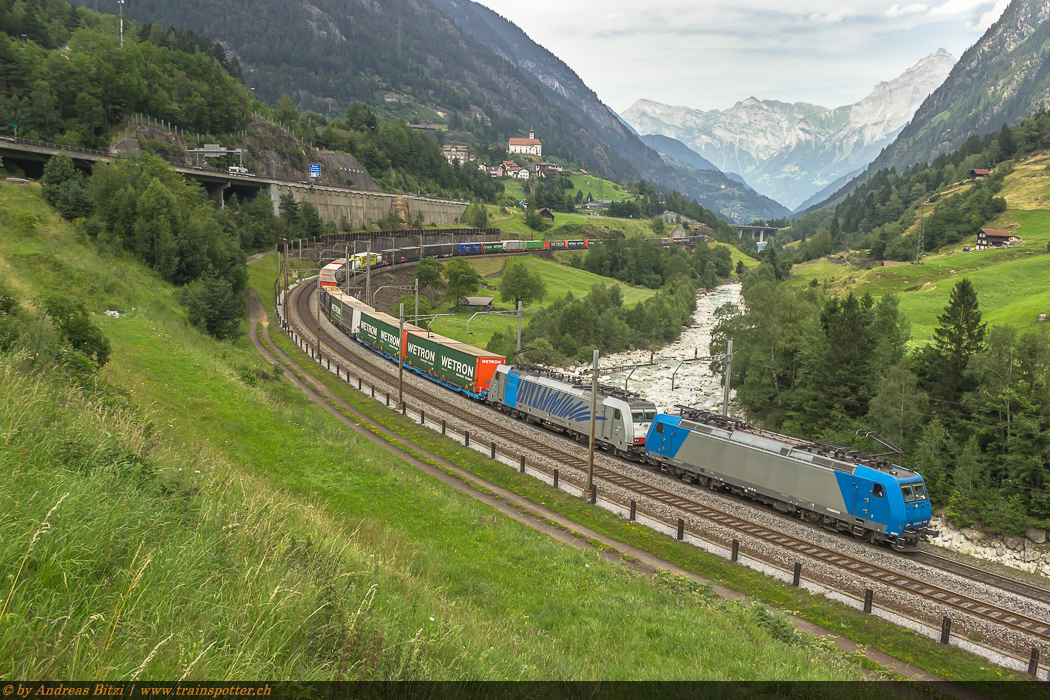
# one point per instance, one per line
(836, 487)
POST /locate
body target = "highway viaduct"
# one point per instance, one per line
(356, 207)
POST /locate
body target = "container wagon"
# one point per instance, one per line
(332, 274)
(458, 366)
(448, 362)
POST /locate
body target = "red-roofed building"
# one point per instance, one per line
(530, 146)
(514, 170)
(978, 173)
(994, 238)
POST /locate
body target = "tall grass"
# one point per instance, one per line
(118, 567)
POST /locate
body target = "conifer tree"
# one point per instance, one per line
(959, 337)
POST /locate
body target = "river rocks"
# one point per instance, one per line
(1016, 552)
(694, 383)
(1036, 534)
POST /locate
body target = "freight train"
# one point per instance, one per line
(535, 395)
(333, 274)
(836, 487)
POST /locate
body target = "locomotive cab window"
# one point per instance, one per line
(913, 492)
(878, 491)
(660, 428)
(617, 415)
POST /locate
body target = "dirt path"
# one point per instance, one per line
(498, 497)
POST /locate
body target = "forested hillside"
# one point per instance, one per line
(77, 100)
(881, 214)
(331, 53)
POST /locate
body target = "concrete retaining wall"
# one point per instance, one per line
(361, 208)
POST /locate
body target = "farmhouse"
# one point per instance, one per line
(994, 238)
(530, 146)
(546, 214)
(978, 173)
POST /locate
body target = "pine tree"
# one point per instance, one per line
(959, 337)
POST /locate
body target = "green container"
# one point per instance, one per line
(533, 245)
(337, 312)
(496, 247)
(452, 362)
(378, 331)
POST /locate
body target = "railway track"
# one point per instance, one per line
(1006, 583)
(1034, 628)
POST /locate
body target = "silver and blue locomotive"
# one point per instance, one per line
(563, 403)
(838, 488)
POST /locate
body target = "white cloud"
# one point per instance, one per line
(901, 10)
(989, 18)
(957, 7)
(709, 54)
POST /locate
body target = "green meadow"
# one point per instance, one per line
(560, 280)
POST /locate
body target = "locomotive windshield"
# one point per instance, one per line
(913, 492)
(643, 416)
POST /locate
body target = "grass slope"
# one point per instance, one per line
(560, 280)
(596, 187)
(513, 225)
(1013, 285)
(262, 539)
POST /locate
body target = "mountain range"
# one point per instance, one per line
(564, 88)
(790, 152)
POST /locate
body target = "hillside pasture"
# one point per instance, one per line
(1013, 284)
(560, 280)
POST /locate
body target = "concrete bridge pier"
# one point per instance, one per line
(215, 191)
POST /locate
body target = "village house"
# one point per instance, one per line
(995, 238)
(548, 170)
(530, 146)
(514, 170)
(978, 173)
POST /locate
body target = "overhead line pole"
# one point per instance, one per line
(401, 357)
(594, 410)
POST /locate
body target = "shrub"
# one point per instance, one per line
(75, 328)
(213, 306)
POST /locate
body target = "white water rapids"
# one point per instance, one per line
(694, 385)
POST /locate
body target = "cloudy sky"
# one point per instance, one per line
(708, 54)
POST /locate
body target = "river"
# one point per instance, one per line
(694, 385)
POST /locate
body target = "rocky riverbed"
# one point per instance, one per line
(694, 384)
